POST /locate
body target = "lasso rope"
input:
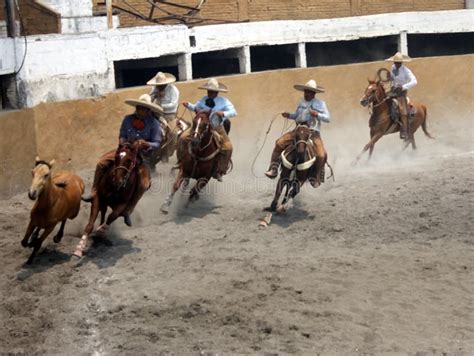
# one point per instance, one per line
(285, 127)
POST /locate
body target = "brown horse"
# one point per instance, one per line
(196, 159)
(298, 164)
(380, 122)
(117, 189)
(58, 198)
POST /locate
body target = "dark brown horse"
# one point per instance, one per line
(298, 163)
(196, 159)
(117, 189)
(380, 122)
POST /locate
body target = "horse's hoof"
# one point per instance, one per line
(78, 254)
(24, 243)
(102, 230)
(164, 209)
(281, 210)
(57, 239)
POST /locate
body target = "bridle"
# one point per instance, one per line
(374, 98)
(129, 170)
(199, 136)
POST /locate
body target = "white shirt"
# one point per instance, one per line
(169, 100)
(302, 114)
(403, 77)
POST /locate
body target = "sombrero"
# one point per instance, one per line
(214, 85)
(398, 57)
(311, 86)
(161, 79)
(145, 101)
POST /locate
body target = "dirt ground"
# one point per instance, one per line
(379, 261)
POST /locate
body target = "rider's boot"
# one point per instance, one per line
(403, 127)
(315, 181)
(272, 172)
(223, 162)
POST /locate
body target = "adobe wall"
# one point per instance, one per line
(263, 10)
(76, 133)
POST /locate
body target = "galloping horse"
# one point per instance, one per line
(380, 122)
(298, 164)
(58, 198)
(197, 160)
(117, 189)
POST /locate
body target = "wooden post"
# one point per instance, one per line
(11, 23)
(110, 19)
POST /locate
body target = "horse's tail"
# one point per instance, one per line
(87, 198)
(423, 124)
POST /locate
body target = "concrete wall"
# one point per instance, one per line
(85, 67)
(263, 10)
(76, 133)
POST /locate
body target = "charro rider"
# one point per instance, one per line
(166, 95)
(310, 111)
(141, 126)
(220, 109)
(403, 80)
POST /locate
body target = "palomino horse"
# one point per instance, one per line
(58, 198)
(298, 163)
(198, 160)
(380, 122)
(117, 188)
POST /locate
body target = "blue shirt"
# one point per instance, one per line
(302, 115)
(151, 133)
(221, 104)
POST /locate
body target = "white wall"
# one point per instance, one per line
(70, 8)
(73, 66)
(7, 55)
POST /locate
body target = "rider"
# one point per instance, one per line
(310, 111)
(220, 109)
(139, 126)
(403, 80)
(166, 95)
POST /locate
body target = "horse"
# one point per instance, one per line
(57, 197)
(298, 164)
(198, 160)
(117, 188)
(380, 122)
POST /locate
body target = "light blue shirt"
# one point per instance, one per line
(222, 104)
(302, 115)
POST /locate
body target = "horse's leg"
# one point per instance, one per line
(29, 231)
(279, 188)
(81, 247)
(370, 145)
(60, 233)
(38, 243)
(116, 212)
(177, 184)
(194, 195)
(103, 211)
(34, 237)
(413, 144)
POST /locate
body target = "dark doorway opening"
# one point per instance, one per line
(354, 51)
(440, 44)
(136, 72)
(215, 63)
(272, 57)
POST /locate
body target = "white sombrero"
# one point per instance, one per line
(161, 79)
(214, 85)
(145, 101)
(398, 57)
(311, 86)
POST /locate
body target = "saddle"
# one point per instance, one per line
(395, 113)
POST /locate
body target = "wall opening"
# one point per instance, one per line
(215, 63)
(136, 72)
(354, 51)
(8, 93)
(440, 44)
(272, 57)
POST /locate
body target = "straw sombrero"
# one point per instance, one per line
(161, 79)
(145, 101)
(398, 57)
(214, 85)
(311, 86)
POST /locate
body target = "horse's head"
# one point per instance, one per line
(126, 159)
(201, 126)
(41, 177)
(374, 93)
(302, 137)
